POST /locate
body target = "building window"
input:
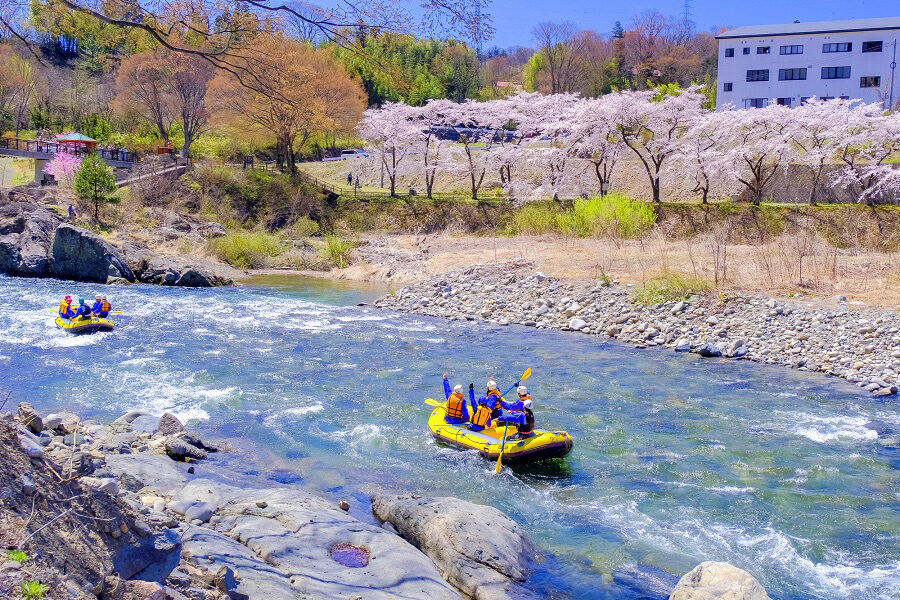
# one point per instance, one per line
(871, 81)
(834, 73)
(804, 99)
(763, 49)
(755, 102)
(795, 49)
(783, 101)
(826, 98)
(758, 75)
(842, 47)
(729, 52)
(871, 46)
(746, 50)
(791, 74)
(727, 87)
(845, 97)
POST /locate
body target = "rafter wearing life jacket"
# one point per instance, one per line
(101, 307)
(457, 411)
(494, 399)
(482, 417)
(65, 308)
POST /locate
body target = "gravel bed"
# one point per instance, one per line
(834, 337)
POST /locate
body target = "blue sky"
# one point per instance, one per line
(514, 19)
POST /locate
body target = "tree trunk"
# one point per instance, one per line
(654, 183)
(188, 140)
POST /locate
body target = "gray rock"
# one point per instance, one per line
(677, 308)
(79, 254)
(73, 439)
(136, 471)
(185, 271)
(708, 351)
(109, 486)
(180, 506)
(451, 532)
(53, 421)
(201, 511)
(577, 324)
(30, 418)
(26, 232)
(150, 558)
(886, 391)
(179, 449)
(169, 424)
(145, 424)
(28, 486)
(130, 416)
(718, 581)
(30, 446)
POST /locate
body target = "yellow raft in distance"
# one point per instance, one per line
(92, 325)
(541, 446)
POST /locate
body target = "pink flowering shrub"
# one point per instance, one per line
(63, 167)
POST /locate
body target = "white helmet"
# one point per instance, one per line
(457, 388)
(491, 384)
(523, 390)
(528, 404)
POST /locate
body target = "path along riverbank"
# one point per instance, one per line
(861, 345)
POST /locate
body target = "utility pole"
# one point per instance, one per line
(477, 27)
(893, 68)
(687, 17)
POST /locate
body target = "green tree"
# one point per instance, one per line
(95, 182)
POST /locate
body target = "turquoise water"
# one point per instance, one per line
(677, 459)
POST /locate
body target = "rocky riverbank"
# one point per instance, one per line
(829, 336)
(136, 510)
(36, 242)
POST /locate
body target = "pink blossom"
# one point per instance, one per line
(63, 166)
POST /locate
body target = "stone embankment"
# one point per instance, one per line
(831, 337)
(35, 242)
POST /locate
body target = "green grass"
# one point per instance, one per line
(337, 250)
(16, 555)
(33, 590)
(535, 218)
(248, 250)
(670, 286)
(613, 215)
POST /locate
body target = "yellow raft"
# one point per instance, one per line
(541, 446)
(92, 325)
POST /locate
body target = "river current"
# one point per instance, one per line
(677, 459)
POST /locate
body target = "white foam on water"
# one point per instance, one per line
(822, 430)
(299, 411)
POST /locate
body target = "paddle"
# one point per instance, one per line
(525, 376)
(112, 312)
(432, 402)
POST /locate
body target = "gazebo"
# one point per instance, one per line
(76, 141)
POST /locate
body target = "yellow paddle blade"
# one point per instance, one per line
(499, 465)
(526, 374)
(432, 402)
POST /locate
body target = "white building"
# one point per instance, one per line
(786, 64)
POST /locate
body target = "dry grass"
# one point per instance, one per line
(773, 268)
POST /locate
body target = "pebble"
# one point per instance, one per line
(859, 344)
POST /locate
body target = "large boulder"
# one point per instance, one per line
(26, 233)
(718, 581)
(176, 270)
(453, 533)
(81, 255)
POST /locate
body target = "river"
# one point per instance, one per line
(677, 459)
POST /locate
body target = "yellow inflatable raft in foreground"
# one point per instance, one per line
(542, 445)
(80, 326)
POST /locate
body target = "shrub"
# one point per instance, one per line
(336, 250)
(535, 218)
(248, 250)
(33, 590)
(16, 555)
(613, 215)
(670, 286)
(95, 181)
(304, 227)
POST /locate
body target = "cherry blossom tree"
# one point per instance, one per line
(758, 141)
(596, 138)
(650, 125)
(868, 139)
(702, 155)
(430, 144)
(478, 132)
(816, 131)
(392, 131)
(63, 166)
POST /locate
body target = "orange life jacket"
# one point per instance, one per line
(524, 398)
(104, 307)
(65, 308)
(495, 403)
(455, 406)
(481, 417)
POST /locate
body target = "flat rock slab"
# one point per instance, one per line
(478, 549)
(296, 531)
(136, 471)
(256, 578)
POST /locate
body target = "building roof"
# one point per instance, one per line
(815, 27)
(75, 137)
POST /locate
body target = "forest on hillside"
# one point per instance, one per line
(227, 80)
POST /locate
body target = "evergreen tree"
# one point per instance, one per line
(95, 182)
(618, 32)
